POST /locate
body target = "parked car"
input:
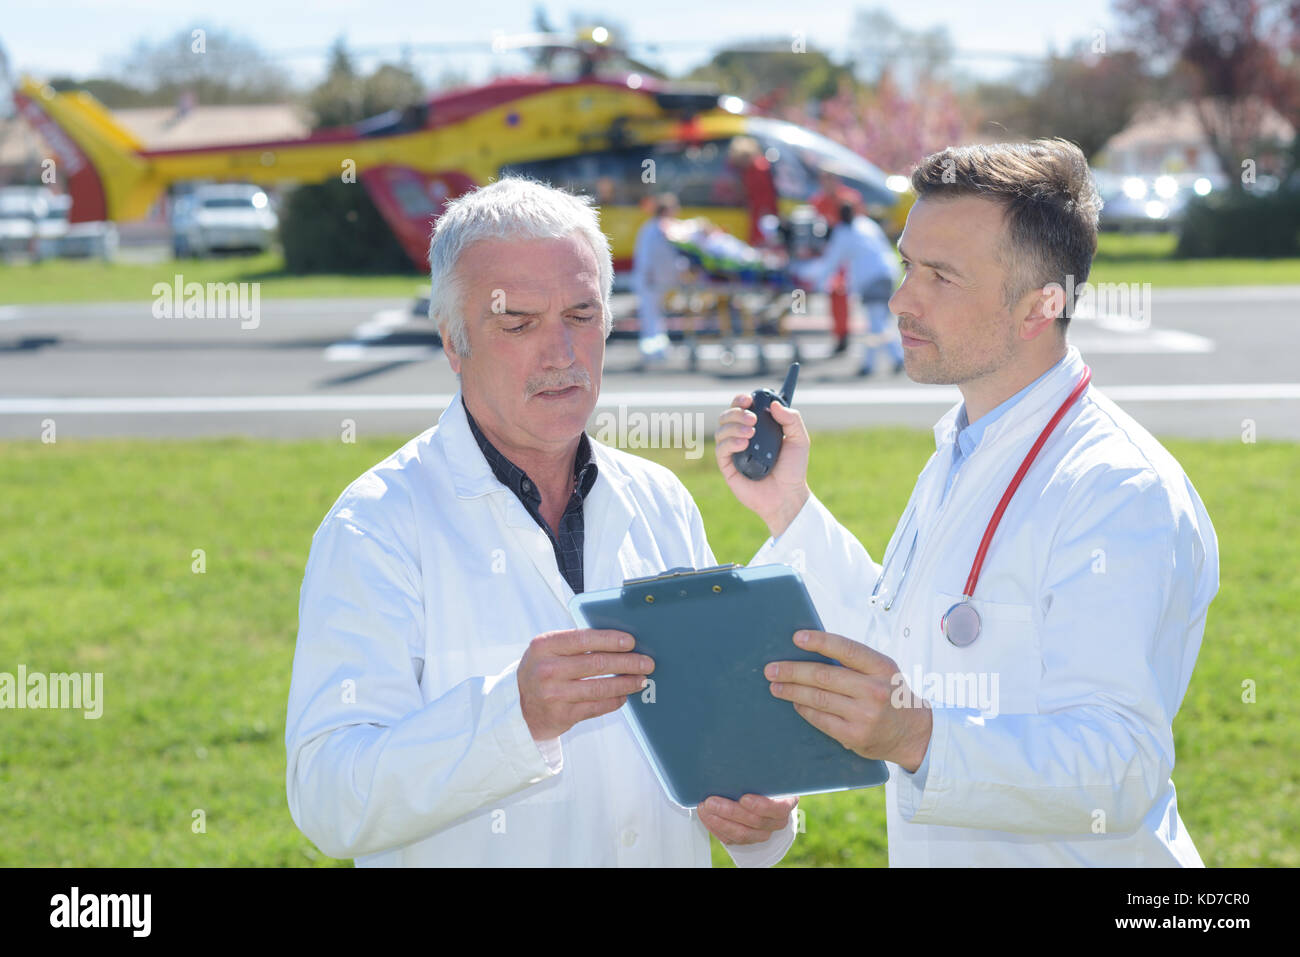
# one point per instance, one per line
(1152, 202)
(96, 240)
(34, 221)
(21, 208)
(52, 226)
(229, 216)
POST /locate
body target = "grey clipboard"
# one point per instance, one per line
(709, 724)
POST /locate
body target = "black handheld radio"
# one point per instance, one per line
(760, 455)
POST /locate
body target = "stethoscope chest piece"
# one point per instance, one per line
(961, 624)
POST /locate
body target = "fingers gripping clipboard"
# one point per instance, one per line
(709, 724)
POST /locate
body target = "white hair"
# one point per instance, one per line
(513, 207)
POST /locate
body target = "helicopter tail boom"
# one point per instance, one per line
(97, 159)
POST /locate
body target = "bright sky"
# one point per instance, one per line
(79, 37)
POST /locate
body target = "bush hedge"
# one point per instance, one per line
(335, 227)
(1241, 225)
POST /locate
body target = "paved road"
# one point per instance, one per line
(1210, 360)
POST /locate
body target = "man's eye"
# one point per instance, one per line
(519, 328)
(943, 279)
(585, 317)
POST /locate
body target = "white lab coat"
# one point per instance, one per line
(405, 740)
(861, 246)
(1093, 597)
(656, 263)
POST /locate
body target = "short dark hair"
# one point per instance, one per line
(1050, 206)
(665, 203)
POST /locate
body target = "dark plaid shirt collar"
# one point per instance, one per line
(568, 544)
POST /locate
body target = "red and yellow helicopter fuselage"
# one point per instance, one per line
(618, 139)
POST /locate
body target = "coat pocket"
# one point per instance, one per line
(997, 673)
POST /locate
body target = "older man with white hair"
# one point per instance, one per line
(443, 709)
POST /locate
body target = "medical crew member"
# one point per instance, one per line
(443, 708)
(656, 269)
(1023, 648)
(827, 202)
(747, 158)
(860, 245)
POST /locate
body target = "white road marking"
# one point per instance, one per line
(366, 344)
(1089, 342)
(361, 352)
(381, 324)
(714, 398)
(783, 351)
(1234, 294)
(1109, 334)
(1148, 341)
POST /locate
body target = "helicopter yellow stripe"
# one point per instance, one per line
(563, 121)
(108, 146)
(554, 123)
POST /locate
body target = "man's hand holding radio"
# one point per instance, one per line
(779, 496)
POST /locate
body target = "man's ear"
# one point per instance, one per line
(448, 349)
(1044, 306)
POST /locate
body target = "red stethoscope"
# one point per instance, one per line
(960, 624)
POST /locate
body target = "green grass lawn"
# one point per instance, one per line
(1138, 258)
(96, 555)
(72, 280)
(1147, 257)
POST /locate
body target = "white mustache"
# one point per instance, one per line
(581, 380)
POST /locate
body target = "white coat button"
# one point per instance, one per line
(629, 837)
(907, 632)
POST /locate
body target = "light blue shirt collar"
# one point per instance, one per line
(969, 434)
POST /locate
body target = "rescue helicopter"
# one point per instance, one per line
(598, 132)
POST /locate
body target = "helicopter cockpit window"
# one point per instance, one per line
(395, 122)
(412, 198)
(606, 175)
(791, 177)
(696, 172)
(817, 153)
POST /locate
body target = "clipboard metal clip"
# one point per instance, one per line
(682, 572)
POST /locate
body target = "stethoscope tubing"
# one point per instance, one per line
(978, 565)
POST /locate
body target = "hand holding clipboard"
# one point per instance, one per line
(708, 723)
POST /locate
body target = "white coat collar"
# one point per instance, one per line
(1030, 413)
(472, 477)
(608, 510)
(470, 471)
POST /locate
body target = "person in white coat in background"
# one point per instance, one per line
(858, 242)
(443, 708)
(656, 269)
(1029, 710)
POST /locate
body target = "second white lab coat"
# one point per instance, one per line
(656, 263)
(1093, 598)
(861, 246)
(405, 740)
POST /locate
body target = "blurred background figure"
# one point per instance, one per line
(832, 194)
(859, 244)
(655, 270)
(746, 157)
